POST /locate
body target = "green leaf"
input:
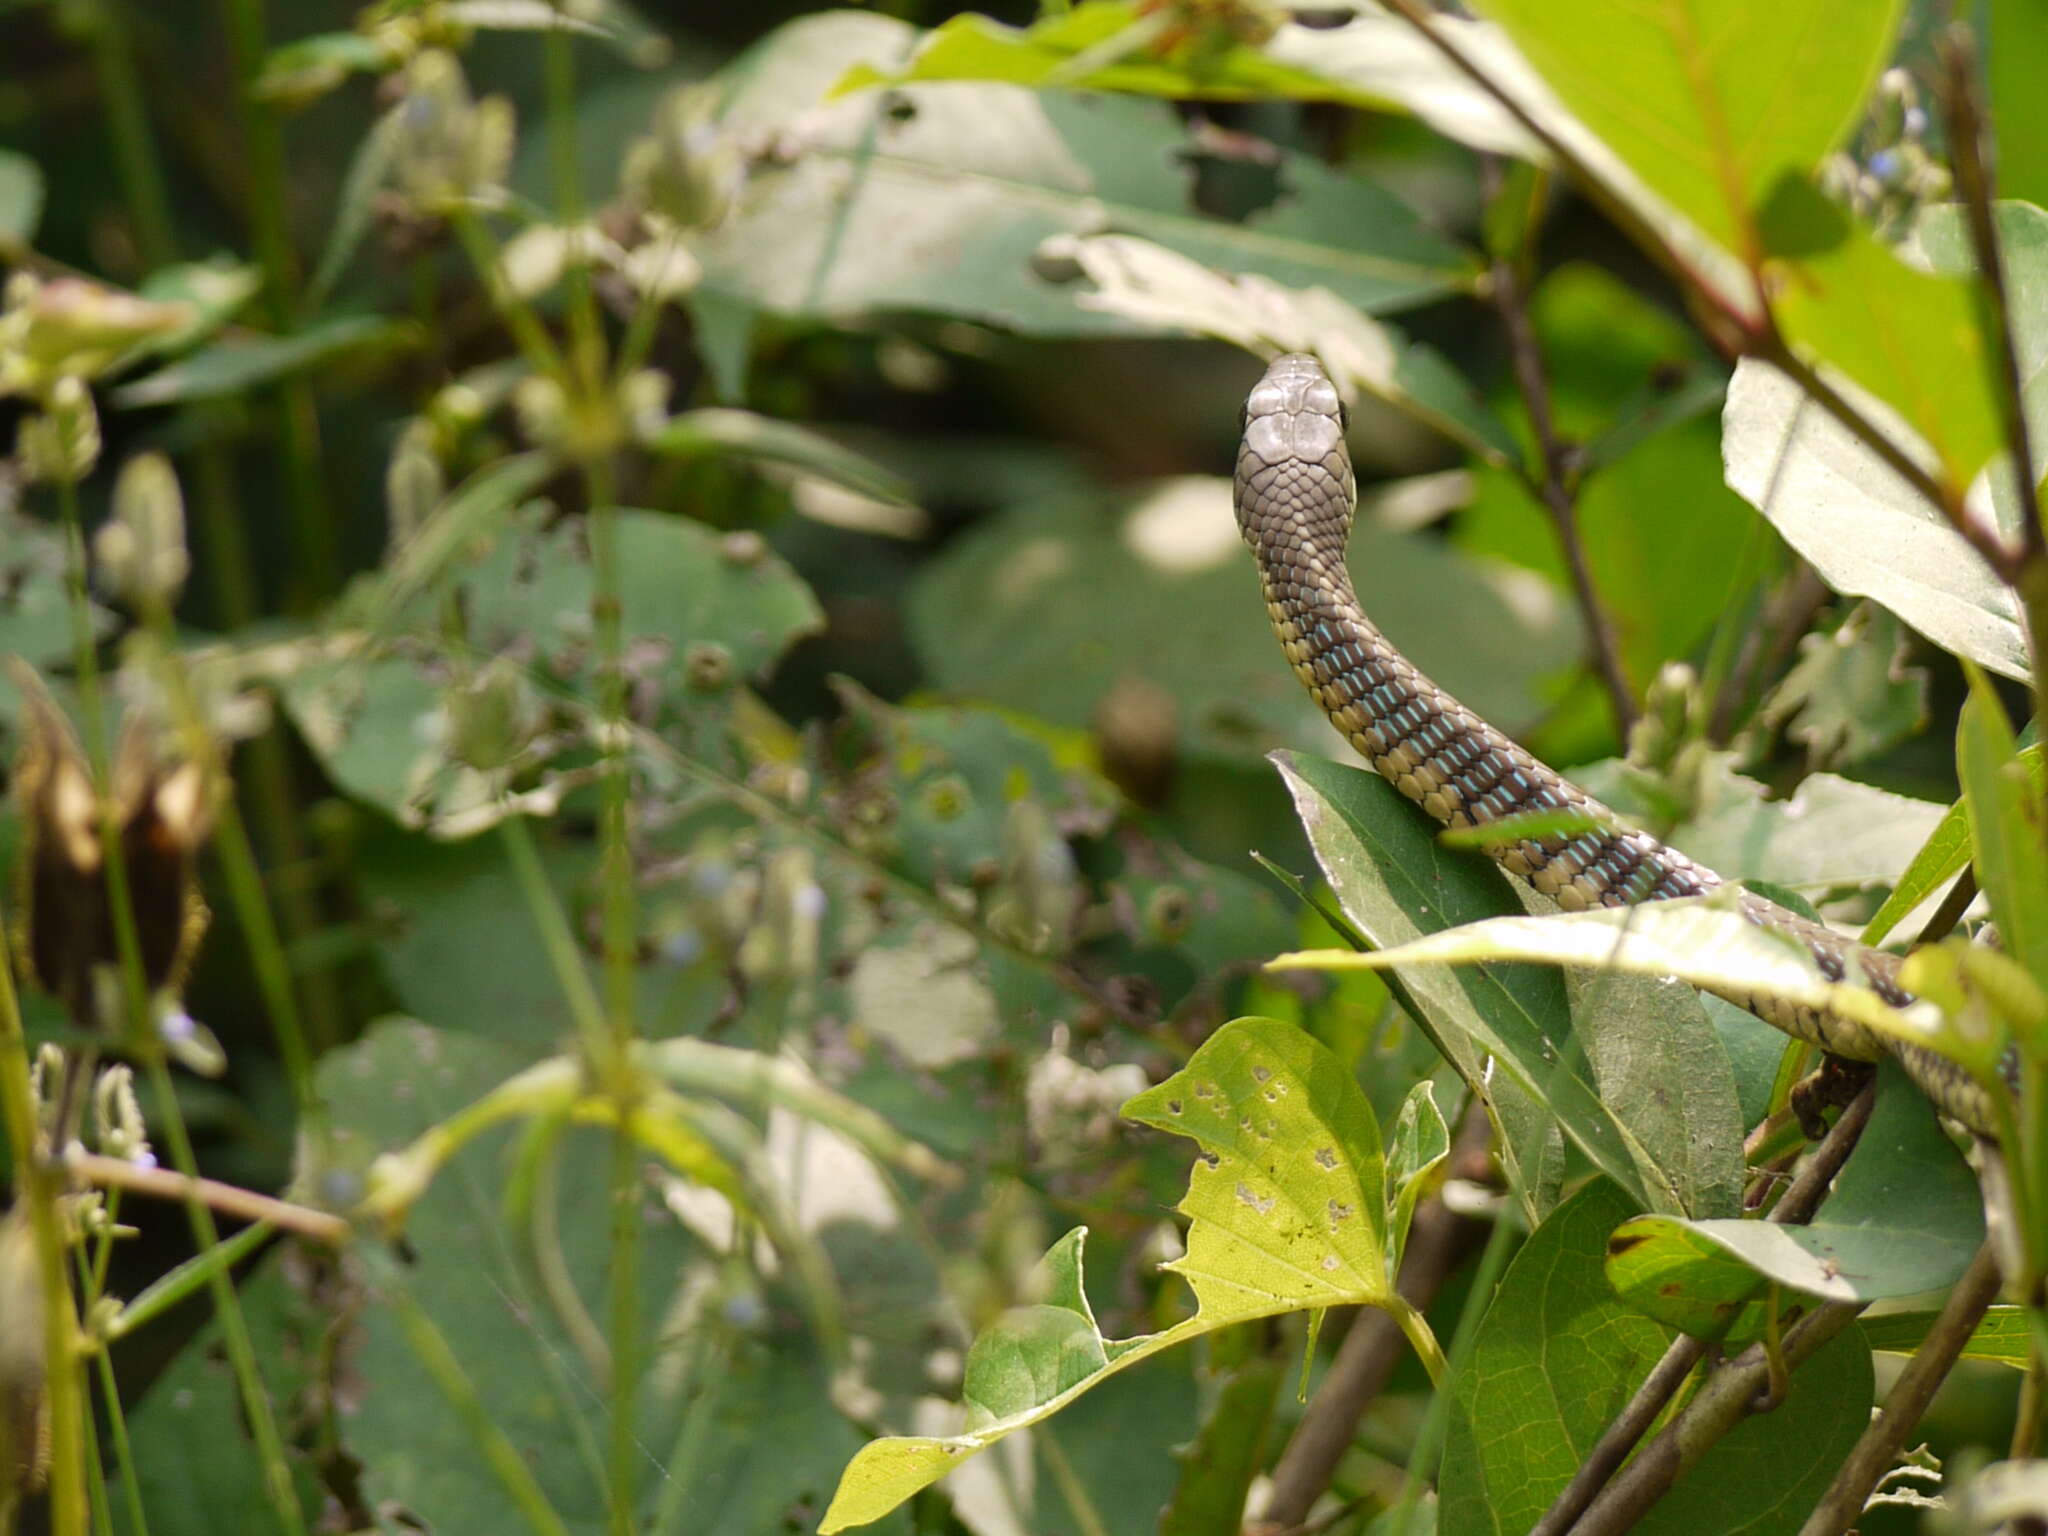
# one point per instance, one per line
(1851, 694)
(1557, 1357)
(21, 199)
(1156, 287)
(1664, 1132)
(197, 1465)
(2018, 32)
(680, 583)
(229, 367)
(1704, 941)
(1553, 1361)
(939, 198)
(1943, 856)
(1217, 1467)
(1046, 607)
(1710, 104)
(2008, 817)
(1421, 1141)
(307, 68)
(1907, 337)
(723, 432)
(2003, 1336)
(368, 169)
(1848, 514)
(474, 512)
(718, 1394)
(1904, 1218)
(1286, 1211)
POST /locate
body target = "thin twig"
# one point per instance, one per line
(1952, 908)
(229, 1199)
(1558, 486)
(1767, 645)
(1797, 1205)
(1727, 1397)
(1970, 157)
(1874, 1454)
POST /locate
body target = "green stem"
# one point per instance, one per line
(143, 1036)
(142, 180)
(519, 316)
(36, 1187)
(556, 938)
(585, 329)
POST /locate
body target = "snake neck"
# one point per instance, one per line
(1444, 757)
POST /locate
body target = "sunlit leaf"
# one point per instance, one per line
(2003, 1336)
(229, 367)
(1286, 1212)
(1708, 104)
(1665, 1133)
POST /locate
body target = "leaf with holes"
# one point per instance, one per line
(1287, 1212)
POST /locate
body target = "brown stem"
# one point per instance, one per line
(1800, 1200)
(1952, 908)
(1766, 647)
(1875, 1453)
(229, 1199)
(1970, 156)
(1558, 487)
(1727, 1397)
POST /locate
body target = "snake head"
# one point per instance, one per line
(1293, 470)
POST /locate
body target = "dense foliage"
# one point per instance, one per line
(652, 804)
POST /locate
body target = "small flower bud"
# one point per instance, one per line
(413, 483)
(61, 444)
(141, 550)
(117, 1115)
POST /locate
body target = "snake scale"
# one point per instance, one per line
(1295, 495)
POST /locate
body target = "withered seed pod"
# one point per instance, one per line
(164, 812)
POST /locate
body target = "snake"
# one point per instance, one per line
(1295, 495)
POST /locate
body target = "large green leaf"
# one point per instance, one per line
(735, 1416)
(1709, 104)
(1557, 1357)
(2008, 816)
(1904, 1218)
(1703, 940)
(1635, 1076)
(1286, 1212)
(1907, 337)
(1863, 528)
(1048, 606)
(939, 197)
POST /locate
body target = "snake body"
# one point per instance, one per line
(1295, 493)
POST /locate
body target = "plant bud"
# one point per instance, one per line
(61, 444)
(70, 327)
(141, 550)
(117, 1116)
(413, 483)
(452, 150)
(685, 170)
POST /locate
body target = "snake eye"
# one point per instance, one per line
(1343, 416)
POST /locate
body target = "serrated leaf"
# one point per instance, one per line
(1286, 1211)
(1904, 1218)
(1405, 892)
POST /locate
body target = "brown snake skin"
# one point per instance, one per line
(1295, 495)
